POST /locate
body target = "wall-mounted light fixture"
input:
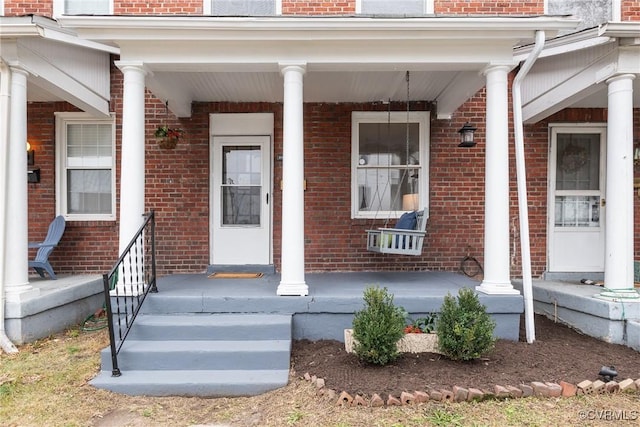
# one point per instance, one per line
(31, 155)
(466, 135)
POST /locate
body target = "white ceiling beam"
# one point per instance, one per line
(578, 86)
(52, 79)
(462, 87)
(166, 89)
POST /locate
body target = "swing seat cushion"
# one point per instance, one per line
(407, 221)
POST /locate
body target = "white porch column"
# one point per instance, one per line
(132, 162)
(497, 279)
(618, 262)
(17, 231)
(292, 280)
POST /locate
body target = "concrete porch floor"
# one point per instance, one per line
(575, 304)
(329, 307)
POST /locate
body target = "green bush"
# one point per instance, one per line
(378, 327)
(465, 330)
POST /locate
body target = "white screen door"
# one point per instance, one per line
(576, 202)
(241, 221)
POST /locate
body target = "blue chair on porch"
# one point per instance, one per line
(41, 261)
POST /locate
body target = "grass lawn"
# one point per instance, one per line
(46, 384)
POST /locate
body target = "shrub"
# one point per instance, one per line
(465, 330)
(378, 327)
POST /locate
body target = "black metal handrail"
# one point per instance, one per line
(127, 284)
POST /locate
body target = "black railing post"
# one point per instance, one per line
(115, 371)
(121, 278)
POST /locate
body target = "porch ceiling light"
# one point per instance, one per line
(466, 135)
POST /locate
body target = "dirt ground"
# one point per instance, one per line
(559, 353)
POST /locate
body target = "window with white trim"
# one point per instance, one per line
(82, 7)
(85, 167)
(396, 7)
(242, 7)
(389, 163)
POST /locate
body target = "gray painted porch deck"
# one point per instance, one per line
(332, 299)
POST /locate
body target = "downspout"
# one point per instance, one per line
(5, 82)
(521, 173)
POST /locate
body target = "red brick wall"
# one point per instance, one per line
(21, 7)
(473, 7)
(630, 10)
(158, 7)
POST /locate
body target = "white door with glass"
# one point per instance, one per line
(241, 220)
(576, 199)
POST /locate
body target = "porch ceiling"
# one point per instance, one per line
(354, 59)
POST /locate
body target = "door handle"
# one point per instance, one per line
(603, 202)
(267, 198)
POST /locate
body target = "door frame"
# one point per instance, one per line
(241, 124)
(554, 129)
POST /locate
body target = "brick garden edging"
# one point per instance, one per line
(461, 394)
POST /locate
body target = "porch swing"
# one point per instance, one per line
(407, 237)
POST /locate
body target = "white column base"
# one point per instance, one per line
(497, 289)
(293, 289)
(619, 295)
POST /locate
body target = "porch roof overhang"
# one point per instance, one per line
(572, 70)
(347, 59)
(61, 66)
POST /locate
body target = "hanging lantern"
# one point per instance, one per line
(466, 135)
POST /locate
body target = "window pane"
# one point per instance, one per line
(241, 205)
(89, 191)
(578, 162)
(89, 7)
(89, 145)
(386, 144)
(243, 7)
(382, 189)
(396, 7)
(241, 165)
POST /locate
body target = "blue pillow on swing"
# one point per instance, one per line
(407, 221)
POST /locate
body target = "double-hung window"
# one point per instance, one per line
(82, 7)
(242, 7)
(389, 163)
(396, 7)
(85, 163)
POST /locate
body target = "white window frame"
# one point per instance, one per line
(206, 7)
(428, 7)
(62, 120)
(423, 120)
(58, 8)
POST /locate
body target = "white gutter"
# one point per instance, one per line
(5, 342)
(521, 173)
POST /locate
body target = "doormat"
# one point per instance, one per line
(235, 275)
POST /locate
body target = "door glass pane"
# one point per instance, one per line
(578, 162)
(241, 185)
(577, 211)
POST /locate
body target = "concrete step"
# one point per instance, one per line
(201, 355)
(211, 326)
(205, 383)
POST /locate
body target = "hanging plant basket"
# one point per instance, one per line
(168, 142)
(167, 137)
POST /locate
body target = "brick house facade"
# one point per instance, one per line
(177, 183)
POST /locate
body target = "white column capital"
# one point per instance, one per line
(132, 66)
(17, 69)
(494, 68)
(299, 66)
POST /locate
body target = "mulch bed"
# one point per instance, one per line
(558, 354)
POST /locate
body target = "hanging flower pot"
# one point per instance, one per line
(168, 137)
